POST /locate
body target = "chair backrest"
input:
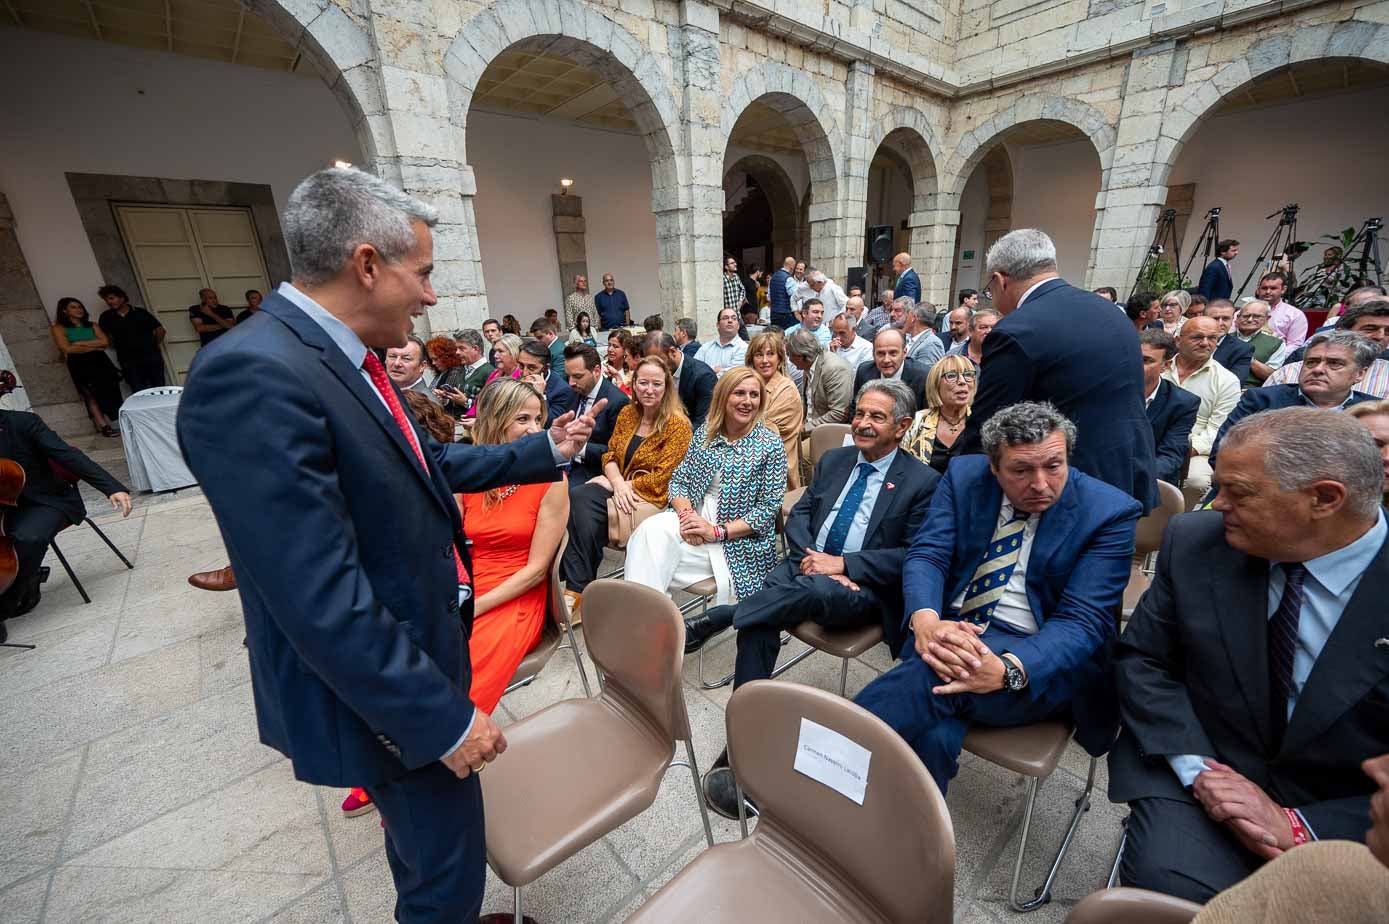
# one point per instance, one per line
(636, 636)
(897, 849)
(824, 438)
(558, 612)
(1148, 537)
(1131, 906)
(787, 502)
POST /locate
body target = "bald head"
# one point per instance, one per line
(788, 264)
(853, 305)
(901, 262)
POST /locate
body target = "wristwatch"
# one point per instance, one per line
(1013, 677)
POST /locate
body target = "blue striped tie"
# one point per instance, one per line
(990, 579)
(1282, 643)
(839, 530)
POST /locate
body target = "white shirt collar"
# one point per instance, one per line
(1153, 394)
(342, 335)
(1030, 289)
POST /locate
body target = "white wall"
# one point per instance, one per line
(1250, 164)
(797, 170)
(518, 161)
(95, 107)
(974, 208)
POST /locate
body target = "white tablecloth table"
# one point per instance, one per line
(149, 431)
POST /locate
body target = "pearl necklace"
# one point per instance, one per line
(507, 492)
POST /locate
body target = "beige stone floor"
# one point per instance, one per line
(134, 788)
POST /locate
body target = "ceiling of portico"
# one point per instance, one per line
(1307, 79)
(223, 30)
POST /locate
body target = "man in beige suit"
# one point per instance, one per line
(827, 381)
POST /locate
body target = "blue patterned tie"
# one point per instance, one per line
(1282, 643)
(990, 579)
(839, 531)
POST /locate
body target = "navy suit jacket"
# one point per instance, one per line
(27, 440)
(1172, 414)
(690, 349)
(908, 285)
(1070, 347)
(897, 514)
(343, 547)
(1271, 398)
(558, 396)
(1236, 355)
(1216, 281)
(1077, 570)
(696, 389)
(602, 423)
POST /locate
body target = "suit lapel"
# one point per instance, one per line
(1052, 529)
(1349, 664)
(887, 498)
(1241, 589)
(837, 477)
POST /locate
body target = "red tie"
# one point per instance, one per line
(372, 364)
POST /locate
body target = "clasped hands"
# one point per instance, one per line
(571, 431)
(694, 529)
(484, 742)
(831, 566)
(1233, 800)
(953, 650)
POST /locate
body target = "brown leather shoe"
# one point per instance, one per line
(221, 579)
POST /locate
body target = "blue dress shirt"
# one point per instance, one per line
(859, 528)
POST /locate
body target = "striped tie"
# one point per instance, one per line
(1282, 643)
(990, 579)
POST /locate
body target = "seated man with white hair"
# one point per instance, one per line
(845, 340)
(828, 292)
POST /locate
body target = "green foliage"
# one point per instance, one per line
(1162, 277)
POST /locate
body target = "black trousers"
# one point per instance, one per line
(1175, 848)
(143, 372)
(787, 599)
(588, 535)
(32, 527)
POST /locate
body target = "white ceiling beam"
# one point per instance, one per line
(169, 23)
(1292, 78)
(91, 16)
(590, 100)
(240, 23)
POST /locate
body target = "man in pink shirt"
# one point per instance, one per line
(1287, 320)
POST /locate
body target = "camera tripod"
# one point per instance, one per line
(1166, 231)
(1367, 242)
(1205, 244)
(1284, 235)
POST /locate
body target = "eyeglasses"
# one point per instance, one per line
(953, 377)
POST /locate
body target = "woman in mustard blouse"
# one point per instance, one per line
(783, 410)
(648, 441)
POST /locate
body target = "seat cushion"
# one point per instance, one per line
(842, 643)
(744, 881)
(705, 588)
(570, 774)
(1031, 750)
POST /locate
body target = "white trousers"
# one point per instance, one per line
(658, 558)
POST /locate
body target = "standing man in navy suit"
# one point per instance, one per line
(1070, 347)
(357, 626)
(908, 285)
(1215, 278)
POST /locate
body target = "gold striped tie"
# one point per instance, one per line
(990, 579)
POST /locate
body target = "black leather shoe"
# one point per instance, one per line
(698, 630)
(721, 793)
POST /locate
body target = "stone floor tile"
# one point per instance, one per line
(321, 906)
(183, 614)
(12, 871)
(222, 660)
(265, 823)
(22, 902)
(579, 890)
(170, 896)
(136, 775)
(369, 889)
(63, 653)
(353, 838)
(82, 539)
(36, 802)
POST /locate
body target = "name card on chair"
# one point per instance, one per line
(828, 757)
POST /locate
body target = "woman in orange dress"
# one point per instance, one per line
(515, 532)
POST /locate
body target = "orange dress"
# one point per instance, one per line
(501, 546)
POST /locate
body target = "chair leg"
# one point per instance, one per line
(1043, 895)
(71, 576)
(111, 545)
(844, 678)
(1118, 856)
(516, 916)
(699, 793)
(742, 809)
(578, 661)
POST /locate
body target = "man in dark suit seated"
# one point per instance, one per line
(846, 536)
(1142, 309)
(889, 362)
(1069, 347)
(49, 503)
(535, 369)
(1252, 677)
(588, 386)
(1231, 352)
(1171, 409)
(1215, 278)
(1011, 587)
(694, 380)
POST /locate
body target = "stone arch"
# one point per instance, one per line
(907, 131)
(788, 234)
(584, 35)
(340, 48)
(975, 144)
(1189, 105)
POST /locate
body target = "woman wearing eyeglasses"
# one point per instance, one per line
(950, 389)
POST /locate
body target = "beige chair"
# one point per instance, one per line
(1147, 541)
(1131, 906)
(816, 855)
(842, 643)
(557, 634)
(1033, 751)
(614, 749)
(824, 438)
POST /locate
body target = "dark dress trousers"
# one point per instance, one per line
(1172, 414)
(1271, 398)
(343, 546)
(590, 463)
(913, 376)
(1216, 281)
(696, 389)
(1193, 678)
(1070, 347)
(1077, 570)
(789, 598)
(1236, 355)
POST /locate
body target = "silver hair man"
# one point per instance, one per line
(335, 211)
(1364, 350)
(903, 401)
(1304, 445)
(1021, 254)
(1025, 423)
(689, 326)
(802, 343)
(471, 337)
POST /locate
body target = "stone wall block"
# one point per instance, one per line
(1310, 41)
(1378, 47)
(345, 42)
(1349, 39)
(518, 20)
(1269, 53)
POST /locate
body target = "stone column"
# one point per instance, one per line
(569, 241)
(933, 251)
(859, 149)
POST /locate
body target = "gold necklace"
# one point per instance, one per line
(507, 492)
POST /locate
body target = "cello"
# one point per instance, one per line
(11, 485)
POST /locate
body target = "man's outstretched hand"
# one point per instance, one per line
(571, 432)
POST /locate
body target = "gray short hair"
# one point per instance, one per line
(803, 343)
(984, 312)
(1304, 445)
(903, 401)
(1025, 423)
(815, 275)
(471, 337)
(689, 326)
(905, 303)
(1365, 350)
(924, 312)
(333, 212)
(1021, 254)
